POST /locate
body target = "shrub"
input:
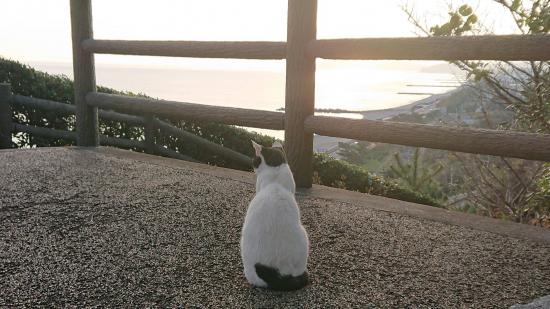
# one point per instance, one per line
(27, 81)
(340, 174)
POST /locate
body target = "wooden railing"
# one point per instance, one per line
(153, 127)
(300, 51)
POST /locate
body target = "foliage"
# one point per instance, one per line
(27, 81)
(523, 87)
(499, 187)
(460, 21)
(415, 176)
(539, 201)
(340, 174)
(354, 152)
(373, 156)
(543, 196)
(30, 82)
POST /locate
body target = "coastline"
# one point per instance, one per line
(329, 145)
(380, 114)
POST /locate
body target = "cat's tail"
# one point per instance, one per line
(275, 281)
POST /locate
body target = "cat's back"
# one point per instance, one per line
(274, 198)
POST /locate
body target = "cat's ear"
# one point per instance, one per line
(257, 148)
(277, 144)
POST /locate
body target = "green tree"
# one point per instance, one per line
(415, 176)
(355, 152)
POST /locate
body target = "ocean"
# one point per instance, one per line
(349, 85)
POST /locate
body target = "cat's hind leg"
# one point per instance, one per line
(252, 277)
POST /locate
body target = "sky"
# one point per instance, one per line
(39, 30)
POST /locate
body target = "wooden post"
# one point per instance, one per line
(300, 88)
(6, 125)
(84, 73)
(150, 132)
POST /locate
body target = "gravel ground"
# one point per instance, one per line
(80, 228)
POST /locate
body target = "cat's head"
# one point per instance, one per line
(265, 157)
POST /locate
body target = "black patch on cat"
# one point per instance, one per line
(275, 281)
(273, 156)
(256, 161)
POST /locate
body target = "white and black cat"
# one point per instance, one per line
(274, 244)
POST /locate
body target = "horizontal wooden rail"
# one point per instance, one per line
(69, 135)
(44, 132)
(172, 154)
(195, 49)
(105, 140)
(71, 109)
(486, 47)
(120, 142)
(191, 111)
(128, 119)
(203, 143)
(490, 142)
(42, 104)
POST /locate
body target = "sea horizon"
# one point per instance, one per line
(355, 87)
